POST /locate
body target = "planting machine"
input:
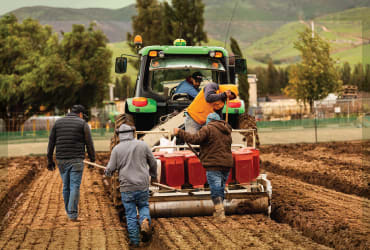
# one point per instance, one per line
(156, 109)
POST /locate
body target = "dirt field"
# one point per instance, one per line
(320, 200)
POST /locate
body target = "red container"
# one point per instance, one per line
(256, 163)
(231, 177)
(243, 163)
(196, 173)
(256, 160)
(172, 173)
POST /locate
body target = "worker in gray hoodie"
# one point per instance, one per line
(131, 158)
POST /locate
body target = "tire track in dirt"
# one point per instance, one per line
(334, 219)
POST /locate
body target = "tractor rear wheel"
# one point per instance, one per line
(248, 122)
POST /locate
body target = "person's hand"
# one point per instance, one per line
(176, 131)
(230, 95)
(152, 180)
(51, 166)
(90, 166)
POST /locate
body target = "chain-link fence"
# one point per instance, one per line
(340, 120)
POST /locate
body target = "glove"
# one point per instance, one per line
(51, 166)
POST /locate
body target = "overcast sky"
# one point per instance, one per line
(9, 5)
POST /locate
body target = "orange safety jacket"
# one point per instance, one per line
(199, 109)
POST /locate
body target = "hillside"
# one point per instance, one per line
(346, 31)
(252, 19)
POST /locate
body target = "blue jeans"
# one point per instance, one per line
(131, 200)
(71, 173)
(217, 181)
(191, 126)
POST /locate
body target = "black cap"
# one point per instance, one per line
(78, 109)
(198, 77)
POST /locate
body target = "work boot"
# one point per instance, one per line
(146, 231)
(219, 209)
(219, 212)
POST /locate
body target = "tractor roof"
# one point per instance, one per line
(186, 50)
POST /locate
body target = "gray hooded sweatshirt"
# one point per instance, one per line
(131, 158)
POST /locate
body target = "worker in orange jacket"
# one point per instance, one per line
(210, 99)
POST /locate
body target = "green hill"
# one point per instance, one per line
(252, 19)
(347, 32)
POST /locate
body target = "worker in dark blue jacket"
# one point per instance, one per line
(70, 135)
(190, 85)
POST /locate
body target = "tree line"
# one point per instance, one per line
(40, 69)
(272, 80)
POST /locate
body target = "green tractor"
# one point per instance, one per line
(162, 68)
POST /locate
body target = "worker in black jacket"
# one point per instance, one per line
(70, 135)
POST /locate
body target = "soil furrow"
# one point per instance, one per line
(314, 177)
(164, 234)
(13, 227)
(326, 219)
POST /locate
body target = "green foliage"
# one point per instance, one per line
(188, 21)
(315, 77)
(367, 78)
(243, 79)
(358, 76)
(123, 87)
(85, 51)
(345, 75)
(162, 23)
(272, 78)
(37, 70)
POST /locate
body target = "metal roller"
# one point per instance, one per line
(200, 204)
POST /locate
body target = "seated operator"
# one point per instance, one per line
(190, 85)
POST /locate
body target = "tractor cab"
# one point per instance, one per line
(164, 68)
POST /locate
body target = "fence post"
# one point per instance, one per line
(22, 129)
(48, 126)
(34, 127)
(315, 125)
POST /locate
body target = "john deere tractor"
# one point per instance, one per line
(162, 68)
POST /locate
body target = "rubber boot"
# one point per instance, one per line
(219, 209)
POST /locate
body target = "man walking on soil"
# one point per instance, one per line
(131, 159)
(215, 155)
(70, 135)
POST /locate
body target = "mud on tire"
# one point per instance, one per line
(248, 122)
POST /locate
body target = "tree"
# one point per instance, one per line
(272, 78)
(188, 21)
(122, 88)
(358, 76)
(29, 67)
(85, 51)
(315, 76)
(243, 78)
(162, 23)
(36, 71)
(367, 78)
(147, 23)
(345, 74)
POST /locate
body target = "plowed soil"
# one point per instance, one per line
(307, 213)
